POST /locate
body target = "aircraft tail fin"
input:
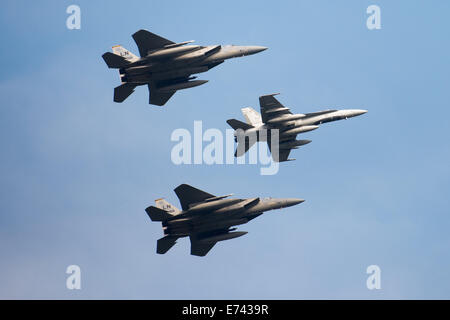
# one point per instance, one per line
(236, 124)
(123, 91)
(167, 207)
(252, 116)
(165, 243)
(124, 53)
(163, 210)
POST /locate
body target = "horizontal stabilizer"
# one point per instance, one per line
(157, 214)
(123, 91)
(114, 61)
(164, 244)
(236, 124)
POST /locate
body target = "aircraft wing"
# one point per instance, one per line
(147, 41)
(271, 107)
(158, 98)
(188, 195)
(283, 154)
(200, 248)
(160, 91)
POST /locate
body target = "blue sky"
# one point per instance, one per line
(77, 170)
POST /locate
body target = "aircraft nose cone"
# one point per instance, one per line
(352, 112)
(358, 112)
(255, 49)
(293, 202)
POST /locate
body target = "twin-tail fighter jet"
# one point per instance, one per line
(276, 116)
(206, 218)
(165, 66)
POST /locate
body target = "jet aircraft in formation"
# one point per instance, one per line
(276, 116)
(206, 218)
(165, 66)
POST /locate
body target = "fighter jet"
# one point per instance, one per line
(206, 218)
(276, 116)
(165, 66)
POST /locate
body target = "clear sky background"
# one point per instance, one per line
(77, 170)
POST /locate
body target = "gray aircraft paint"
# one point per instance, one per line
(166, 67)
(207, 219)
(275, 116)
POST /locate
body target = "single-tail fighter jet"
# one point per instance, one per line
(206, 218)
(165, 66)
(276, 116)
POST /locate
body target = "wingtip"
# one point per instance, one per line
(140, 30)
(181, 186)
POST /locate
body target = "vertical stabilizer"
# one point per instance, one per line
(121, 51)
(166, 206)
(252, 116)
